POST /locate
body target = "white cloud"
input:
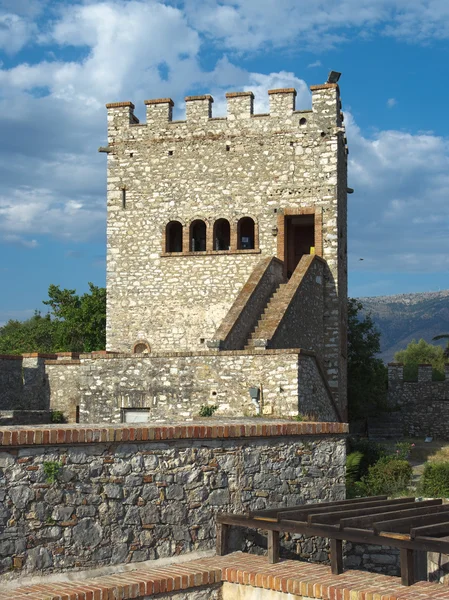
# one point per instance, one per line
(251, 24)
(391, 102)
(315, 64)
(52, 113)
(398, 215)
(15, 32)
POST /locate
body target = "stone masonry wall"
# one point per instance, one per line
(172, 385)
(11, 383)
(64, 386)
(129, 494)
(303, 317)
(260, 166)
(241, 320)
(424, 404)
(315, 396)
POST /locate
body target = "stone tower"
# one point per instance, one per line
(201, 211)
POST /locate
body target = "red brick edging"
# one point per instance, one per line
(90, 434)
(288, 576)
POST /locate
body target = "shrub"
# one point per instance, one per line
(389, 475)
(207, 411)
(370, 450)
(52, 470)
(57, 416)
(353, 461)
(435, 480)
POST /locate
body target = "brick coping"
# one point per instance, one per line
(110, 355)
(314, 581)
(208, 429)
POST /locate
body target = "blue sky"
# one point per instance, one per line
(62, 61)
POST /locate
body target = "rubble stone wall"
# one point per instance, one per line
(79, 504)
(423, 404)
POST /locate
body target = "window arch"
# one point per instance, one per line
(246, 234)
(173, 237)
(222, 235)
(198, 236)
(141, 347)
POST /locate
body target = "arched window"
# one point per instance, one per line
(141, 347)
(222, 235)
(173, 237)
(245, 234)
(198, 236)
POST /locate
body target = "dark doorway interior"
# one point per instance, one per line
(300, 239)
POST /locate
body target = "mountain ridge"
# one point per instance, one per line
(401, 318)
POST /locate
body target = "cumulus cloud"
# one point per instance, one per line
(391, 102)
(251, 24)
(52, 113)
(14, 32)
(399, 215)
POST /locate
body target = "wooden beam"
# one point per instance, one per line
(365, 519)
(273, 547)
(407, 566)
(358, 536)
(393, 509)
(402, 523)
(336, 556)
(302, 513)
(222, 539)
(272, 512)
(431, 530)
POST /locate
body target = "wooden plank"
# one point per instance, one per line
(403, 523)
(272, 512)
(337, 516)
(222, 539)
(365, 521)
(336, 556)
(407, 566)
(301, 514)
(395, 536)
(431, 530)
(437, 544)
(273, 547)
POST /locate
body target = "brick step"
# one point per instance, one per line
(138, 584)
(264, 317)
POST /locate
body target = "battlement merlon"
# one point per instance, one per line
(326, 109)
(425, 370)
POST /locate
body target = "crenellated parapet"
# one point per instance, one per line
(325, 114)
(425, 370)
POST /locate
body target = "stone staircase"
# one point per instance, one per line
(266, 317)
(386, 427)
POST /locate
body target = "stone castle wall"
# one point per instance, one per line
(245, 165)
(99, 387)
(424, 404)
(129, 494)
(178, 385)
(11, 382)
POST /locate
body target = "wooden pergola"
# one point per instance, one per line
(405, 523)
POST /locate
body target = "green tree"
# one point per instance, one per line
(80, 320)
(421, 352)
(443, 336)
(74, 324)
(36, 334)
(367, 375)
